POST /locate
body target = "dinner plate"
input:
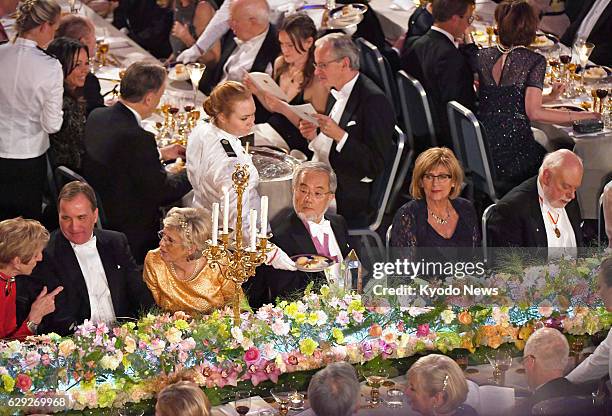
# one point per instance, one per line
(184, 76)
(544, 41)
(596, 72)
(348, 12)
(312, 263)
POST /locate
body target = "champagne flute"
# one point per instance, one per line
(490, 32)
(584, 52)
(196, 70)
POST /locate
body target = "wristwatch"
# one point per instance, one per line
(33, 327)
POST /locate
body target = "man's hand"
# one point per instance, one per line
(308, 130)
(43, 305)
(329, 127)
(172, 152)
(189, 55)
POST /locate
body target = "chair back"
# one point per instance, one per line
(485, 218)
(377, 68)
(63, 175)
(388, 241)
(415, 114)
(470, 148)
(600, 219)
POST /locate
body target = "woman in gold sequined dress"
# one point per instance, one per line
(176, 273)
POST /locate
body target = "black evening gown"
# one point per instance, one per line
(514, 153)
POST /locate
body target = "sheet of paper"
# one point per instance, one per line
(266, 83)
(407, 5)
(305, 112)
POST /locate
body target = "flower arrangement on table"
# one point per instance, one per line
(101, 366)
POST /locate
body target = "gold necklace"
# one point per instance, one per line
(193, 274)
(441, 220)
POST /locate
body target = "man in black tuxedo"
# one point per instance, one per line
(251, 45)
(123, 163)
(593, 24)
(441, 65)
(307, 229)
(355, 137)
(100, 278)
(545, 357)
(542, 211)
(148, 24)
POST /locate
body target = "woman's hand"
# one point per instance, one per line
(181, 31)
(248, 82)
(273, 104)
(43, 305)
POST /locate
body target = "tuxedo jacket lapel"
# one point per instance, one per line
(351, 104)
(301, 237)
(603, 18)
(73, 274)
(538, 225)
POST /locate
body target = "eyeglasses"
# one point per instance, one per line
(323, 65)
(445, 177)
(161, 234)
(316, 195)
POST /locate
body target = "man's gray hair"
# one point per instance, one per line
(549, 347)
(342, 46)
(555, 159)
(334, 391)
(318, 167)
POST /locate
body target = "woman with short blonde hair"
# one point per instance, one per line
(437, 216)
(183, 398)
(177, 274)
(436, 386)
(21, 245)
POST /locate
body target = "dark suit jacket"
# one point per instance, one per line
(445, 73)
(91, 92)
(558, 387)
(368, 119)
(122, 164)
(517, 220)
(601, 35)
(291, 235)
(268, 52)
(149, 25)
(60, 267)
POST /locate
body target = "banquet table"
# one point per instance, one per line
(596, 150)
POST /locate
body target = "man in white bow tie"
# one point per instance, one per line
(355, 136)
(307, 229)
(101, 280)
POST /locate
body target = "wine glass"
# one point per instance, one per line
(501, 361)
(282, 397)
(583, 50)
(242, 404)
(196, 70)
(490, 32)
(602, 93)
(375, 378)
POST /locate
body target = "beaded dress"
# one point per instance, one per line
(514, 153)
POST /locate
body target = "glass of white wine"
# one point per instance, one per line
(196, 70)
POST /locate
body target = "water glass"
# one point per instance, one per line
(395, 398)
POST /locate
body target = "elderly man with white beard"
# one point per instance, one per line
(307, 229)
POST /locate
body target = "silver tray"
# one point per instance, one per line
(273, 165)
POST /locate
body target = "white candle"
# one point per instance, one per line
(264, 216)
(225, 211)
(253, 221)
(215, 222)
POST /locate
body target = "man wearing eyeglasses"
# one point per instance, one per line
(441, 64)
(307, 229)
(355, 135)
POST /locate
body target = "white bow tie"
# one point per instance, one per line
(322, 228)
(338, 95)
(238, 42)
(91, 244)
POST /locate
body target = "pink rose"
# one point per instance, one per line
(423, 330)
(251, 355)
(24, 382)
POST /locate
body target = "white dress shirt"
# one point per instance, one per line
(31, 96)
(565, 244)
(242, 58)
(589, 21)
(445, 33)
(321, 145)
(100, 300)
(209, 169)
(596, 365)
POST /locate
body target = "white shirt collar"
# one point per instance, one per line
(445, 33)
(345, 91)
(224, 134)
(253, 41)
(89, 244)
(136, 113)
(26, 42)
